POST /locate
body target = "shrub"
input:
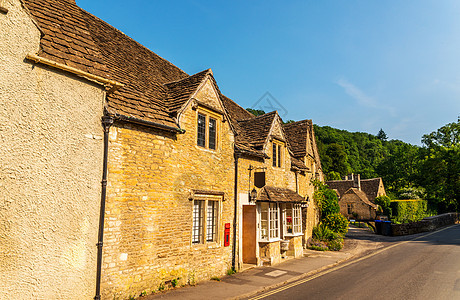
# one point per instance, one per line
(323, 233)
(384, 202)
(326, 199)
(335, 245)
(405, 211)
(337, 223)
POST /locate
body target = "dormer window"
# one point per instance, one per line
(207, 130)
(277, 152)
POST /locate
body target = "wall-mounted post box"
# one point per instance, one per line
(227, 235)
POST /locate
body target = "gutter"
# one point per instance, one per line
(112, 85)
(149, 123)
(107, 121)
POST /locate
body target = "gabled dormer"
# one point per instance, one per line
(195, 103)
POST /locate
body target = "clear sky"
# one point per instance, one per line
(354, 65)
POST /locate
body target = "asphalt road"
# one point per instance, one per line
(425, 268)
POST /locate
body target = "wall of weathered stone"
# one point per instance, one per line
(425, 225)
(149, 215)
(50, 171)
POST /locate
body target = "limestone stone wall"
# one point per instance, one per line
(148, 229)
(425, 225)
(50, 171)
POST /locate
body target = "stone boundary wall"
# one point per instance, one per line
(425, 225)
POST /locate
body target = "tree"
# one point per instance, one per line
(326, 199)
(255, 112)
(382, 135)
(440, 168)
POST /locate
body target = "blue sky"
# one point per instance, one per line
(354, 65)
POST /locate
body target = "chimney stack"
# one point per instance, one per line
(356, 181)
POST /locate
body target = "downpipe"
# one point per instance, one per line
(107, 122)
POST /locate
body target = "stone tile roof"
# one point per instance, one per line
(298, 164)
(276, 194)
(361, 195)
(297, 133)
(301, 138)
(180, 91)
(154, 89)
(369, 186)
(255, 131)
(65, 35)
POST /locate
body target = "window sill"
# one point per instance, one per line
(270, 240)
(293, 234)
(207, 245)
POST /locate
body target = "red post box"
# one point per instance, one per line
(227, 235)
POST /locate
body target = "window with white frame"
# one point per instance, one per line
(205, 221)
(293, 219)
(269, 221)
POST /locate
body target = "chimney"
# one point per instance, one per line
(356, 181)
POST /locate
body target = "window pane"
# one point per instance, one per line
(297, 218)
(274, 224)
(201, 137)
(212, 133)
(279, 156)
(211, 221)
(197, 231)
(264, 221)
(274, 155)
(289, 218)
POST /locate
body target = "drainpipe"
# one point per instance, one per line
(107, 121)
(235, 213)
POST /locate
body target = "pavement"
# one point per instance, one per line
(358, 242)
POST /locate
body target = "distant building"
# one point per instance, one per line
(356, 195)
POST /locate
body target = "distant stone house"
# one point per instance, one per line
(356, 196)
(192, 183)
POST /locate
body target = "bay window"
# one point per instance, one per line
(269, 221)
(293, 219)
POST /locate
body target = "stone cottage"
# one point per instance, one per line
(356, 196)
(192, 184)
(52, 94)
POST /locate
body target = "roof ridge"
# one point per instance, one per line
(190, 76)
(266, 115)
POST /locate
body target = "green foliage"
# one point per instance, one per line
(161, 287)
(405, 211)
(175, 281)
(431, 172)
(215, 278)
(255, 112)
(336, 244)
(231, 271)
(382, 135)
(337, 223)
(326, 199)
(323, 233)
(319, 247)
(385, 203)
(325, 239)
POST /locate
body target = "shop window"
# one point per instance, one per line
(293, 219)
(269, 221)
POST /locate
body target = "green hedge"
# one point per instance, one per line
(405, 211)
